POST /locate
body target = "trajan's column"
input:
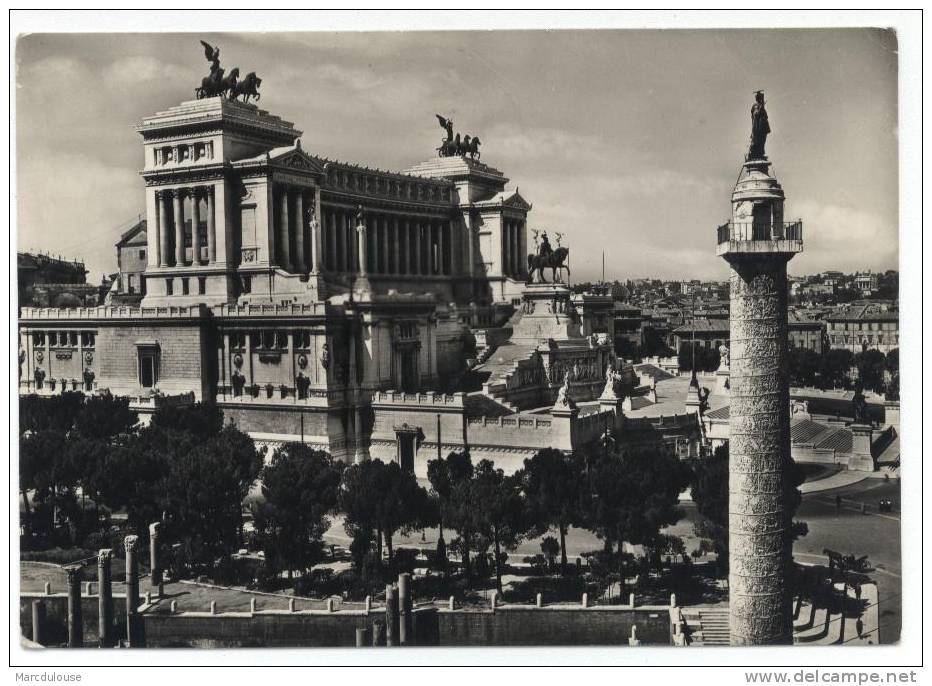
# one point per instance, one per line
(758, 244)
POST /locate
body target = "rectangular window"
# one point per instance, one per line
(142, 254)
(247, 283)
(148, 366)
(184, 285)
(201, 285)
(169, 287)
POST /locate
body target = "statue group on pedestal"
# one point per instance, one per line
(230, 85)
(453, 146)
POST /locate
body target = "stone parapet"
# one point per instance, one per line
(103, 312)
(454, 402)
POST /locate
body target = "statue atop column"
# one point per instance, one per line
(760, 127)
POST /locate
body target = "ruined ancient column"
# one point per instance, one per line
(75, 616)
(405, 610)
(757, 246)
(105, 598)
(132, 588)
(391, 616)
(155, 564)
(38, 621)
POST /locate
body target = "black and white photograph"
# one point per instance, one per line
(340, 337)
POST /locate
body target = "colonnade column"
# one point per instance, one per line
(161, 199)
(195, 227)
(177, 200)
(441, 227)
(395, 247)
(418, 235)
(405, 227)
(331, 241)
(284, 249)
(299, 261)
(317, 236)
(211, 228)
(522, 250)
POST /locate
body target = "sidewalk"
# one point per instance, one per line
(844, 478)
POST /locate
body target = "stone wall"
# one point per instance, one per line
(506, 626)
(56, 616)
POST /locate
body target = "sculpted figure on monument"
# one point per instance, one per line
(445, 149)
(248, 87)
(547, 257)
(760, 127)
(723, 355)
(859, 406)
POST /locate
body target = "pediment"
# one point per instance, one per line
(515, 200)
(297, 159)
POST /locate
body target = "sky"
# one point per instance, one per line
(626, 141)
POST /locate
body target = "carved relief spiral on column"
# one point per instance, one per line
(759, 547)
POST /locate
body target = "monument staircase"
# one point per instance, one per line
(707, 625)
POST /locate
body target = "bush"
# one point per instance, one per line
(315, 583)
(58, 556)
(538, 563)
(404, 560)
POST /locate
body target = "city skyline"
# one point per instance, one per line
(644, 163)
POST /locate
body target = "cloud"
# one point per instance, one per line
(863, 238)
(143, 68)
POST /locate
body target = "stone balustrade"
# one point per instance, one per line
(431, 400)
(113, 312)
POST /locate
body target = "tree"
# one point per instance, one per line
(357, 501)
(500, 511)
(635, 495)
(836, 365)
(707, 359)
(204, 492)
(402, 504)
(710, 494)
(871, 365)
(300, 486)
(654, 344)
(804, 366)
(553, 484)
(550, 547)
(378, 500)
(450, 480)
(893, 367)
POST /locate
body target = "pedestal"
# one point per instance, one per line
(546, 312)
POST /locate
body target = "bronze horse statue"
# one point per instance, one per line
(555, 260)
(211, 86)
(248, 87)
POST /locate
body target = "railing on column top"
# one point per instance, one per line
(760, 231)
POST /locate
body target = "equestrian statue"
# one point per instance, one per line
(547, 257)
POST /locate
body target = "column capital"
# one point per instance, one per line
(129, 543)
(74, 573)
